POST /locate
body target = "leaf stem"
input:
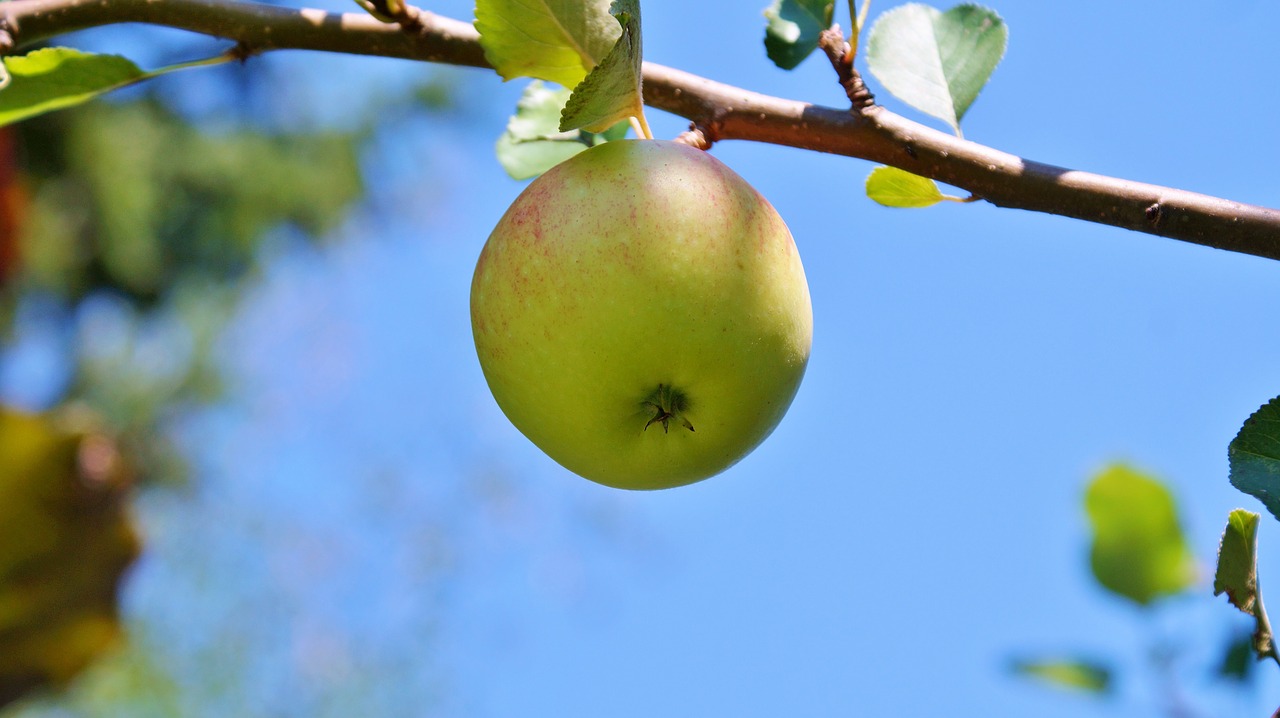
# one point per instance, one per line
(219, 59)
(857, 30)
(859, 20)
(641, 126)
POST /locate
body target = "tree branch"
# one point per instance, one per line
(719, 111)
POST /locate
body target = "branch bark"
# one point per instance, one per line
(721, 112)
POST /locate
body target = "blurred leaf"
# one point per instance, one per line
(893, 187)
(1072, 674)
(1254, 456)
(1239, 659)
(611, 92)
(65, 541)
(937, 62)
(1138, 551)
(555, 40)
(793, 29)
(53, 78)
(437, 93)
(533, 142)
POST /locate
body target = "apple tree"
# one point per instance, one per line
(588, 89)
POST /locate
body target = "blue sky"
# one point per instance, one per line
(915, 520)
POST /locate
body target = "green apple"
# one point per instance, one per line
(641, 315)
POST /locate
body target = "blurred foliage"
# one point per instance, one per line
(1070, 673)
(1139, 552)
(129, 681)
(65, 541)
(140, 227)
(133, 231)
(131, 198)
(1239, 659)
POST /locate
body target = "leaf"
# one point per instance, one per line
(1239, 659)
(1237, 574)
(1254, 456)
(1073, 674)
(793, 29)
(934, 61)
(893, 187)
(57, 77)
(1139, 550)
(65, 541)
(555, 40)
(533, 142)
(612, 91)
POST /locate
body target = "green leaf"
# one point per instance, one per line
(612, 91)
(793, 29)
(1138, 551)
(60, 77)
(1073, 674)
(1237, 574)
(555, 40)
(937, 61)
(533, 142)
(893, 187)
(57, 77)
(1239, 659)
(1254, 456)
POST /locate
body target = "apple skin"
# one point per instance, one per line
(641, 315)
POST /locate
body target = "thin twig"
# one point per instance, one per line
(726, 112)
(1264, 641)
(840, 53)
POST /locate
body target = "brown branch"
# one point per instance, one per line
(261, 27)
(721, 112)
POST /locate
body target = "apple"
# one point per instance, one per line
(641, 315)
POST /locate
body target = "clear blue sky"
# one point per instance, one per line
(915, 520)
